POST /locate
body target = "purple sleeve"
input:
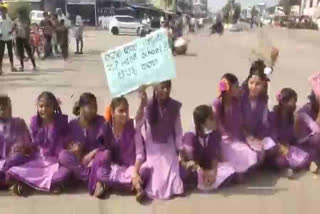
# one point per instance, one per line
(265, 125)
(178, 133)
(27, 133)
(273, 129)
(188, 145)
(61, 127)
(104, 137)
(308, 121)
(140, 147)
(36, 132)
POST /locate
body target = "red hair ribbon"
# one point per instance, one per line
(108, 113)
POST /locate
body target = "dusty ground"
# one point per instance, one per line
(209, 57)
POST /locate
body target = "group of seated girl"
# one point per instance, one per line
(150, 155)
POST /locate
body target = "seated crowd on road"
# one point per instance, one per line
(150, 155)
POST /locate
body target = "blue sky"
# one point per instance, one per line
(218, 4)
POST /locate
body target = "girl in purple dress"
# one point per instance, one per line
(120, 172)
(235, 149)
(15, 139)
(203, 148)
(162, 142)
(85, 151)
(48, 131)
(255, 112)
(307, 126)
(290, 157)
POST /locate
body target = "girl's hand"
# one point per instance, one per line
(86, 160)
(75, 148)
(208, 178)
(136, 181)
(283, 149)
(255, 143)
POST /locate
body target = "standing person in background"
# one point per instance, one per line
(55, 23)
(47, 26)
(22, 28)
(6, 38)
(60, 14)
(63, 39)
(79, 34)
(192, 24)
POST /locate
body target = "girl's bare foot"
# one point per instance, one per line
(57, 190)
(289, 173)
(314, 168)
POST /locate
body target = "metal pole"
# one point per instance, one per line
(66, 7)
(95, 12)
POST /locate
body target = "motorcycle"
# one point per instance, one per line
(217, 28)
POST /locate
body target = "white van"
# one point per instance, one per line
(36, 16)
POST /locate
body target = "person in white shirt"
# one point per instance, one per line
(78, 33)
(6, 37)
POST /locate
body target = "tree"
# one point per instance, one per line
(231, 12)
(254, 12)
(287, 4)
(184, 5)
(23, 8)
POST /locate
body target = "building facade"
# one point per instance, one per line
(310, 8)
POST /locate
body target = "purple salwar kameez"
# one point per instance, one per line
(44, 172)
(90, 138)
(204, 150)
(118, 172)
(14, 133)
(234, 148)
(283, 132)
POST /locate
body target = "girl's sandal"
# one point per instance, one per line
(100, 190)
(18, 190)
(140, 196)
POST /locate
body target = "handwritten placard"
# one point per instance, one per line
(144, 61)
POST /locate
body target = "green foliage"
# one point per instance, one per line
(228, 18)
(21, 7)
(287, 4)
(184, 5)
